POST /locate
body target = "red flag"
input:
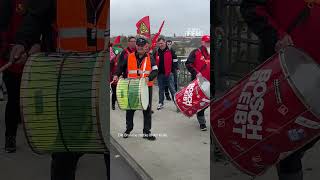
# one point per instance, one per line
(117, 40)
(143, 27)
(156, 36)
(112, 55)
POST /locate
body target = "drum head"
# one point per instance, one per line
(204, 85)
(304, 75)
(144, 96)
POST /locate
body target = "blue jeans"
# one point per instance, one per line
(164, 81)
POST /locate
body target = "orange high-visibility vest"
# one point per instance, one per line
(135, 71)
(81, 25)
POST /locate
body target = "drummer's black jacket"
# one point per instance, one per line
(122, 67)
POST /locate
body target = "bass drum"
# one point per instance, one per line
(64, 102)
(271, 113)
(132, 94)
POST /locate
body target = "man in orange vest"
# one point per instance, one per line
(132, 68)
(64, 26)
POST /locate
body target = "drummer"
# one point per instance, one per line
(193, 63)
(272, 25)
(139, 56)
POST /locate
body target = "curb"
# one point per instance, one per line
(142, 174)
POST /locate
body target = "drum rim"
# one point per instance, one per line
(143, 81)
(290, 81)
(98, 75)
(204, 80)
(24, 84)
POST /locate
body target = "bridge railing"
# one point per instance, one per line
(184, 77)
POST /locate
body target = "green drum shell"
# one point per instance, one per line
(122, 94)
(64, 102)
(132, 94)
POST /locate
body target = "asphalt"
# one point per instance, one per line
(181, 151)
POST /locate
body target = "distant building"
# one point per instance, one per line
(193, 32)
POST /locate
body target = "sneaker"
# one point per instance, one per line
(203, 127)
(10, 144)
(149, 137)
(126, 134)
(113, 107)
(160, 106)
(152, 111)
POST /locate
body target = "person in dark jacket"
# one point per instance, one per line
(37, 28)
(278, 28)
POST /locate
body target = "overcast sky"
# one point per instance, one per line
(178, 15)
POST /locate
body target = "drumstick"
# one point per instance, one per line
(6, 66)
(144, 67)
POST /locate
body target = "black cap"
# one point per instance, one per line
(141, 41)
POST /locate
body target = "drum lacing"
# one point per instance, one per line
(57, 102)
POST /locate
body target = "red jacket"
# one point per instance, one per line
(8, 36)
(270, 20)
(199, 61)
(168, 60)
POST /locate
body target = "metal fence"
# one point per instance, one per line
(184, 77)
(239, 52)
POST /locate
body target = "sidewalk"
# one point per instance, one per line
(183, 155)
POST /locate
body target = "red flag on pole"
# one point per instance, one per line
(156, 36)
(117, 40)
(143, 27)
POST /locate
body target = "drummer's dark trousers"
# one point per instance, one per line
(63, 165)
(12, 114)
(146, 116)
